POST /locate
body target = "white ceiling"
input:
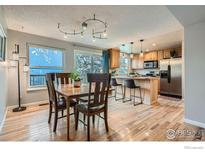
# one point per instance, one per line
(155, 24)
(188, 15)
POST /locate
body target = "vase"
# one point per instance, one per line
(76, 83)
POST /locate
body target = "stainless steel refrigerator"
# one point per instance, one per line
(171, 77)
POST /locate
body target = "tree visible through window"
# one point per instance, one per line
(87, 63)
(124, 65)
(43, 60)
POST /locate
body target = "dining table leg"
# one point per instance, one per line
(68, 118)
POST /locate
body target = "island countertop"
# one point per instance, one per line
(149, 86)
(136, 77)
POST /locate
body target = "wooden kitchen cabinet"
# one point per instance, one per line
(154, 55)
(148, 56)
(178, 52)
(137, 62)
(166, 54)
(114, 58)
(160, 55)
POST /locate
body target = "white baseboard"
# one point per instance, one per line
(29, 104)
(3, 120)
(196, 123)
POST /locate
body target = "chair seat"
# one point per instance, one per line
(136, 86)
(62, 102)
(118, 84)
(83, 107)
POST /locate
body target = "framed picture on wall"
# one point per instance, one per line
(2, 44)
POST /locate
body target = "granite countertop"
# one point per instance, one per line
(136, 77)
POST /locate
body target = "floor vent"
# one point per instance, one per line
(43, 104)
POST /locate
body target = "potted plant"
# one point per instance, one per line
(75, 78)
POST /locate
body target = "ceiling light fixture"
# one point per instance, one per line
(97, 34)
(141, 52)
(131, 54)
(84, 25)
(65, 36)
(81, 35)
(94, 39)
(123, 52)
(105, 34)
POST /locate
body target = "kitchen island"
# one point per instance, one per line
(149, 86)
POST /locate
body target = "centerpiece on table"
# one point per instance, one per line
(75, 79)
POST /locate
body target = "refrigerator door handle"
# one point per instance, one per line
(169, 74)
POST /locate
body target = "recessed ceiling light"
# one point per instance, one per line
(154, 44)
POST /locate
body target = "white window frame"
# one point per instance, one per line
(128, 65)
(86, 52)
(3, 35)
(41, 87)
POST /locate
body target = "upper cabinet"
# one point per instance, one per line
(160, 55)
(176, 52)
(148, 56)
(137, 62)
(114, 58)
(166, 54)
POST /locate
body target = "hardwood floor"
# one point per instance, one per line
(126, 123)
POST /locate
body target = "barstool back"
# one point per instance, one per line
(113, 82)
(130, 83)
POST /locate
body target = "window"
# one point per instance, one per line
(43, 60)
(87, 63)
(2, 44)
(124, 65)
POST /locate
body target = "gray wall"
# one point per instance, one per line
(3, 74)
(22, 39)
(194, 46)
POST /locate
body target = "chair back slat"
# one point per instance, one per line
(101, 83)
(50, 77)
(97, 91)
(63, 77)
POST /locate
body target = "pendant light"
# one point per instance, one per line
(141, 52)
(131, 54)
(123, 50)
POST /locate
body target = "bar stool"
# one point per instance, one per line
(130, 83)
(114, 83)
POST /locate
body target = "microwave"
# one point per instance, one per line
(150, 64)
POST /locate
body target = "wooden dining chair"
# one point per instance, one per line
(55, 103)
(98, 88)
(63, 78)
(53, 77)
